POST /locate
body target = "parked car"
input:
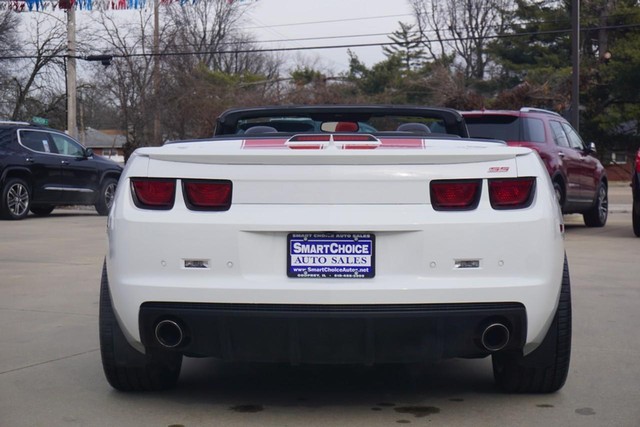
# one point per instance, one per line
(635, 188)
(41, 168)
(578, 177)
(336, 246)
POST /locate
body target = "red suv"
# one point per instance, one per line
(579, 179)
(635, 185)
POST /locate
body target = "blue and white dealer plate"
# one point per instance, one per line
(331, 255)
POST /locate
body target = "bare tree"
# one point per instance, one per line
(9, 48)
(202, 65)
(204, 28)
(241, 55)
(212, 66)
(40, 69)
(9, 44)
(129, 79)
(462, 26)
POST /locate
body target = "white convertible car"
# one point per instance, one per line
(336, 235)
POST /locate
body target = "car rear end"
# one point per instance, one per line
(352, 251)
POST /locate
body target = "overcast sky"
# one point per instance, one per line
(302, 23)
(287, 21)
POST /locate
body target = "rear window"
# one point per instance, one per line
(506, 128)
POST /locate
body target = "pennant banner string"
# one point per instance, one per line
(44, 5)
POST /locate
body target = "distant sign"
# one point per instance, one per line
(40, 121)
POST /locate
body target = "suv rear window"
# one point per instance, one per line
(506, 128)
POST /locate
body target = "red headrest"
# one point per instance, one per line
(346, 127)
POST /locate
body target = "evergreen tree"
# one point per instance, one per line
(407, 46)
(536, 47)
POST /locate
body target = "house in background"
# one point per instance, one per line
(106, 143)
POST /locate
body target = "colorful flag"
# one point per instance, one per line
(41, 5)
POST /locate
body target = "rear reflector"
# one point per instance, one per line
(305, 147)
(207, 195)
(513, 193)
(457, 195)
(152, 193)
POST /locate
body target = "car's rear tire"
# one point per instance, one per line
(635, 217)
(42, 210)
(596, 216)
(106, 197)
(16, 199)
(126, 368)
(545, 369)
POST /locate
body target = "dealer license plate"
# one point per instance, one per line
(331, 255)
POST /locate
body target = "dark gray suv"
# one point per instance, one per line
(41, 168)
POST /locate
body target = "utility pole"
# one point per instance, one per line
(72, 126)
(575, 60)
(157, 138)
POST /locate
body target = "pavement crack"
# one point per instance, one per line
(30, 310)
(49, 361)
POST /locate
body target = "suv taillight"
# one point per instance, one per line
(459, 195)
(153, 193)
(511, 193)
(207, 195)
(638, 162)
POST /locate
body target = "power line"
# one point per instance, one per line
(328, 21)
(324, 47)
(411, 33)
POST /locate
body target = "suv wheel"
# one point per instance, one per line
(635, 215)
(107, 195)
(596, 216)
(16, 199)
(126, 368)
(545, 369)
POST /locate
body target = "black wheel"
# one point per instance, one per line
(107, 195)
(126, 368)
(559, 190)
(42, 210)
(635, 215)
(596, 216)
(545, 369)
(16, 199)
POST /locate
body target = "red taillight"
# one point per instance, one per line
(303, 138)
(638, 162)
(455, 195)
(305, 142)
(512, 193)
(152, 193)
(357, 142)
(207, 195)
(355, 138)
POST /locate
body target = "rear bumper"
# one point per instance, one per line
(363, 334)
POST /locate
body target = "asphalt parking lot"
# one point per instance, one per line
(51, 375)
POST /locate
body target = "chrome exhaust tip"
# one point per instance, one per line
(495, 337)
(169, 333)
